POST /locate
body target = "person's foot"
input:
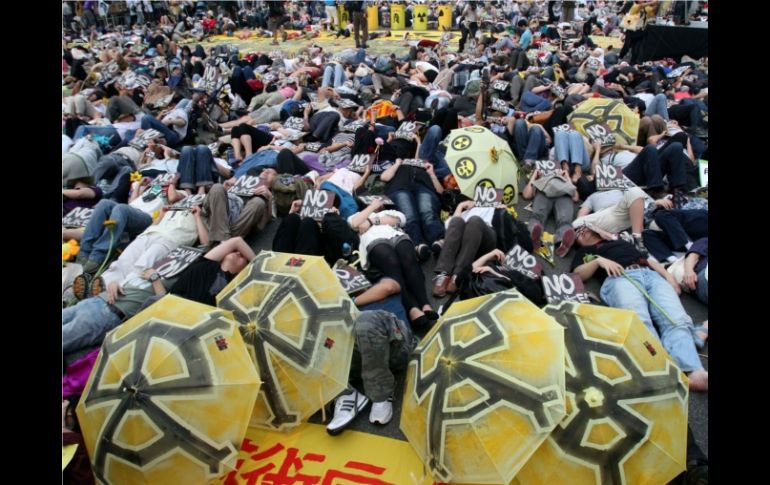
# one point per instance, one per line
(382, 412)
(701, 335)
(440, 282)
(567, 240)
(346, 408)
(451, 287)
(699, 380)
(536, 232)
(436, 247)
(423, 252)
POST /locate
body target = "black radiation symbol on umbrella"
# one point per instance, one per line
(465, 168)
(509, 192)
(137, 395)
(633, 428)
(501, 388)
(461, 142)
(485, 183)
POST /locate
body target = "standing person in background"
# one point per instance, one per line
(331, 15)
(470, 23)
(275, 18)
(357, 12)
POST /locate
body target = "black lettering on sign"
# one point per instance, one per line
(609, 177)
(368, 199)
(352, 280)
(245, 185)
(487, 196)
(519, 259)
(177, 261)
(359, 163)
(546, 167)
(140, 141)
(564, 287)
(188, 202)
(406, 131)
(77, 217)
(600, 133)
(316, 204)
(413, 162)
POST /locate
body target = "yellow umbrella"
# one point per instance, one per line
(484, 389)
(605, 111)
(626, 417)
(298, 323)
(170, 396)
(476, 156)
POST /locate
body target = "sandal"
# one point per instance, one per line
(80, 286)
(97, 286)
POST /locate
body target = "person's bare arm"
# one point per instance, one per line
(586, 270)
(436, 182)
(690, 276)
(363, 178)
(157, 285)
(227, 247)
(492, 255)
(298, 94)
(665, 274)
(464, 206)
(388, 174)
(529, 189)
(654, 139)
(203, 232)
(79, 193)
(306, 118)
(359, 218)
(630, 148)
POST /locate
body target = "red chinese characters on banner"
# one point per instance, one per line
(290, 470)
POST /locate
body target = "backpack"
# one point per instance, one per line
(287, 189)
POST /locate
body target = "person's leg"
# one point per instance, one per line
(405, 102)
(328, 76)
(365, 25)
(216, 212)
(86, 324)
(357, 28)
(252, 213)
(406, 203)
(542, 206)
(95, 227)
(674, 324)
(564, 212)
(478, 238)
(520, 137)
(452, 243)
(428, 205)
(339, 75)
(382, 342)
(170, 135)
(536, 149)
(673, 163)
(186, 168)
(702, 288)
(309, 237)
(661, 107)
(517, 85)
(561, 145)
(285, 239)
(415, 279)
(204, 166)
(384, 258)
(132, 221)
(430, 143)
(383, 289)
(658, 244)
(645, 169)
(578, 154)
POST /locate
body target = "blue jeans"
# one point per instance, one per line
(532, 102)
(382, 131)
(570, 147)
(697, 102)
(390, 304)
(657, 106)
(171, 136)
(676, 336)
(528, 143)
(678, 227)
(86, 324)
(442, 101)
(336, 71)
(430, 151)
(260, 159)
(196, 165)
(95, 242)
(420, 206)
(649, 166)
(83, 130)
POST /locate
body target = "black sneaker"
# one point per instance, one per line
(436, 247)
(423, 252)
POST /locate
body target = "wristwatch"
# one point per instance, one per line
(155, 276)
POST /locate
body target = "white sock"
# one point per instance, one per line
(688, 245)
(671, 259)
(636, 235)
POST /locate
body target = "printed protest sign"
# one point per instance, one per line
(77, 217)
(564, 287)
(316, 204)
(519, 259)
(177, 261)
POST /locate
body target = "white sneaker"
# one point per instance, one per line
(346, 408)
(382, 412)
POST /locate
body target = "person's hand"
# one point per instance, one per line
(308, 108)
(597, 146)
(196, 211)
(296, 206)
(690, 279)
(323, 150)
(467, 204)
(611, 267)
(349, 143)
(263, 148)
(377, 205)
(301, 147)
(114, 289)
(334, 210)
(228, 183)
(673, 283)
(263, 191)
(498, 255)
(535, 175)
(482, 270)
(665, 203)
(428, 168)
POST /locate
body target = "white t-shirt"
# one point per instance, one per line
(486, 213)
(602, 199)
(345, 179)
(66, 143)
(178, 113)
(620, 159)
(125, 126)
(378, 231)
(176, 226)
(425, 66)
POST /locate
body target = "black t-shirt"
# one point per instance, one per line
(406, 177)
(276, 9)
(398, 148)
(201, 281)
(621, 252)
